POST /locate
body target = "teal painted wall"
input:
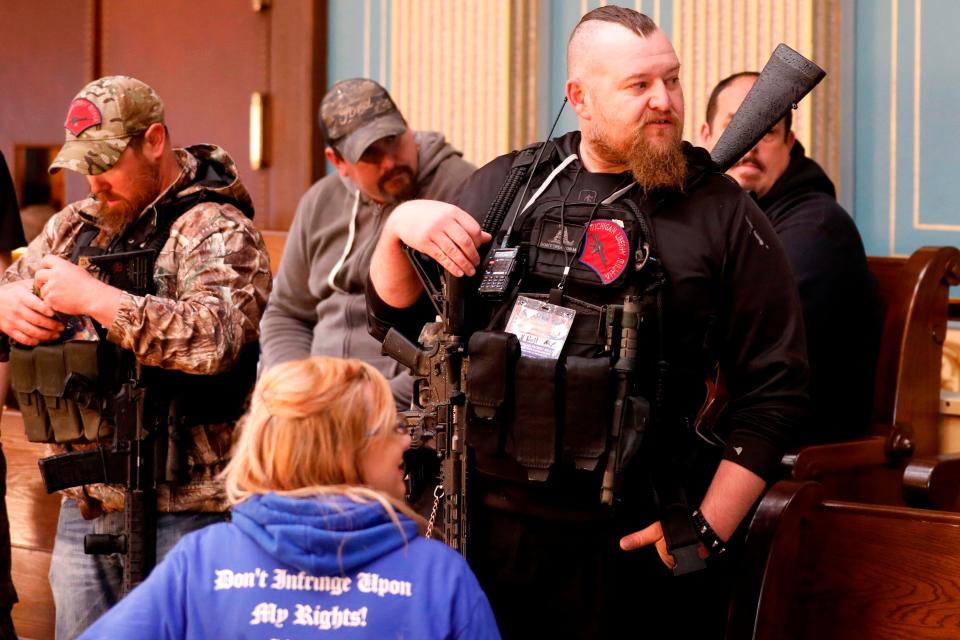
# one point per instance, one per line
(347, 56)
(907, 91)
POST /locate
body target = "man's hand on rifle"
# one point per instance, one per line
(442, 231)
(24, 317)
(70, 289)
(445, 232)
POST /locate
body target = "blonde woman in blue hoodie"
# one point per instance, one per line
(320, 538)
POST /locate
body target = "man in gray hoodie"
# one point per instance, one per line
(318, 305)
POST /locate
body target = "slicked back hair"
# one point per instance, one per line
(726, 82)
(637, 22)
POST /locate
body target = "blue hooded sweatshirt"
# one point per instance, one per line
(289, 568)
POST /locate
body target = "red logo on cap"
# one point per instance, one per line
(82, 115)
(606, 250)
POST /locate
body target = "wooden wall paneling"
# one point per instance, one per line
(204, 59)
(298, 80)
(469, 70)
(33, 512)
(45, 51)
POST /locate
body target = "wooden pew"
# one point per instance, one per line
(933, 482)
(33, 525)
(824, 570)
(913, 294)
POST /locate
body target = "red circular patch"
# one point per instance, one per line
(606, 250)
(82, 115)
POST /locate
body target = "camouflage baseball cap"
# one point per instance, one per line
(101, 120)
(356, 113)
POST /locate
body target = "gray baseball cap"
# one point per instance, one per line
(356, 113)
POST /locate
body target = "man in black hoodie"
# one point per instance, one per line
(826, 254)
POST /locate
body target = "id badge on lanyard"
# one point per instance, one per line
(542, 328)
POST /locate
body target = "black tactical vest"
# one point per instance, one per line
(575, 421)
(64, 388)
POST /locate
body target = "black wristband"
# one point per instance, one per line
(706, 534)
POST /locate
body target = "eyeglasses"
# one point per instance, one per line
(399, 428)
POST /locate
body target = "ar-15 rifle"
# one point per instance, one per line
(438, 420)
(136, 457)
(439, 366)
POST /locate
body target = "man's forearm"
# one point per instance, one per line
(199, 336)
(732, 492)
(391, 273)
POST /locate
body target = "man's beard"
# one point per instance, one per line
(405, 185)
(114, 218)
(657, 162)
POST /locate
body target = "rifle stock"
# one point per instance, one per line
(784, 81)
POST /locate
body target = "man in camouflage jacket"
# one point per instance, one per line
(212, 279)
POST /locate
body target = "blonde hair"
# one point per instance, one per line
(309, 421)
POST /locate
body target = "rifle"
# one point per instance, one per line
(136, 457)
(439, 366)
(437, 419)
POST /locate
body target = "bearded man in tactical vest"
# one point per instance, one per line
(132, 322)
(638, 270)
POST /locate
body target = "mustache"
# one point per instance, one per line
(666, 116)
(754, 160)
(393, 173)
(103, 200)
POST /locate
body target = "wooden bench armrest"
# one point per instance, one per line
(933, 482)
(815, 461)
